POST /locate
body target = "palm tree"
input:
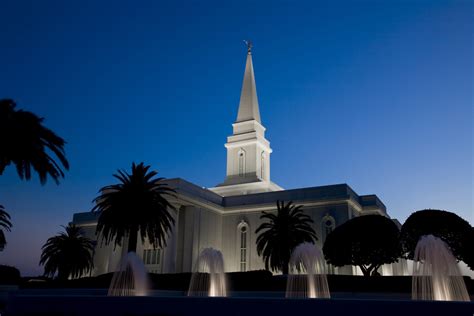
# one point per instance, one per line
(5, 224)
(27, 144)
(69, 253)
(285, 230)
(138, 204)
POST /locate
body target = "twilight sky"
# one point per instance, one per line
(375, 94)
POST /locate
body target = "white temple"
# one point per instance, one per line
(226, 216)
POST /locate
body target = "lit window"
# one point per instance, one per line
(243, 247)
(151, 256)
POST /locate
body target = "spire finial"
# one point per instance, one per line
(249, 46)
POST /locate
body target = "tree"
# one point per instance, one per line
(447, 226)
(138, 204)
(27, 144)
(367, 241)
(70, 254)
(280, 235)
(5, 224)
(468, 249)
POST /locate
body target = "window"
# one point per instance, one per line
(262, 165)
(151, 256)
(328, 223)
(329, 226)
(241, 162)
(243, 250)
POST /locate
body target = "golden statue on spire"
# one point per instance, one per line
(249, 46)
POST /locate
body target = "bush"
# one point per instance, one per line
(9, 275)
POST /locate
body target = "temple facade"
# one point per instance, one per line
(226, 216)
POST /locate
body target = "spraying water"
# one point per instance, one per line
(436, 275)
(131, 277)
(307, 278)
(208, 277)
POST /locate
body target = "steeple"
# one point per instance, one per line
(248, 107)
(248, 152)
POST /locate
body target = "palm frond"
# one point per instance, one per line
(281, 233)
(5, 222)
(26, 143)
(69, 254)
(138, 203)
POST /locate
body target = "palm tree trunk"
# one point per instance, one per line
(132, 241)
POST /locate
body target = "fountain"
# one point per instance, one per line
(307, 277)
(436, 275)
(208, 277)
(131, 277)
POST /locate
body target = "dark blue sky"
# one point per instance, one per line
(376, 94)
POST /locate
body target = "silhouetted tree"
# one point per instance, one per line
(27, 144)
(367, 241)
(138, 204)
(284, 230)
(9, 275)
(447, 226)
(468, 249)
(5, 224)
(70, 254)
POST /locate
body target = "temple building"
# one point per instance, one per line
(226, 216)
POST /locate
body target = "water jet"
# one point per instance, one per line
(307, 273)
(130, 278)
(436, 275)
(208, 278)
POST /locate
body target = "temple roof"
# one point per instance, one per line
(327, 193)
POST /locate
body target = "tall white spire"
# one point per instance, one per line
(248, 107)
(248, 152)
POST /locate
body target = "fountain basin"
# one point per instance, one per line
(210, 306)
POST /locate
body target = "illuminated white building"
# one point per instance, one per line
(226, 216)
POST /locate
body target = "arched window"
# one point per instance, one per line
(328, 223)
(243, 248)
(241, 162)
(328, 226)
(242, 230)
(262, 165)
